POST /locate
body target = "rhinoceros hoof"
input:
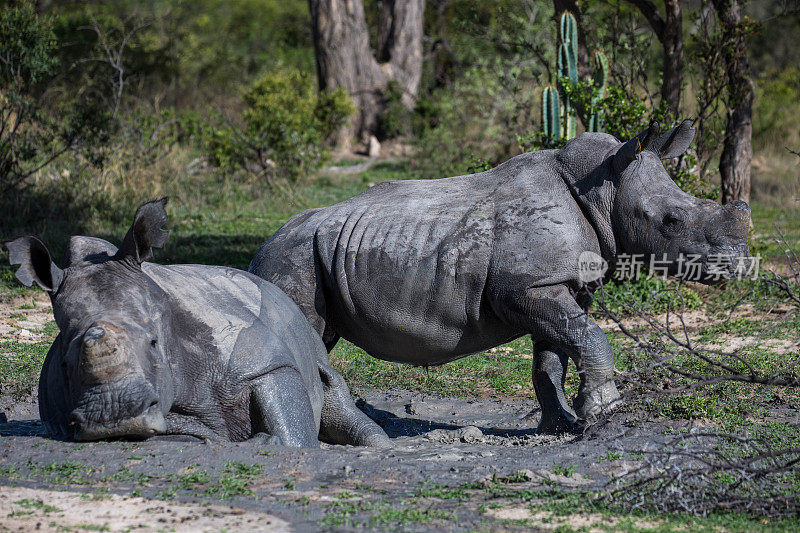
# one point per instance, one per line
(378, 440)
(598, 402)
(558, 424)
(265, 439)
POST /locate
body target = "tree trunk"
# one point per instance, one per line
(672, 75)
(737, 151)
(344, 57)
(669, 31)
(401, 46)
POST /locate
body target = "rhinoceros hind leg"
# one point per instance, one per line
(282, 401)
(342, 422)
(549, 374)
(330, 340)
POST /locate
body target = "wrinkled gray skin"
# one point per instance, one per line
(213, 352)
(425, 272)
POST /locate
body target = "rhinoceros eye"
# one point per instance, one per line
(153, 342)
(673, 222)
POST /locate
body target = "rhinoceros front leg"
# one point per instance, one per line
(562, 330)
(284, 408)
(342, 422)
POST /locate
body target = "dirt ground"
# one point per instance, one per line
(184, 484)
(459, 464)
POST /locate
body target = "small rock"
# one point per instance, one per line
(574, 480)
(471, 434)
(374, 147)
(529, 475)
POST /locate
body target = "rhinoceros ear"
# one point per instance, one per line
(674, 142)
(88, 249)
(145, 233)
(35, 263)
(627, 152)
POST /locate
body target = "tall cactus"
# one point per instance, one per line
(557, 110)
(550, 113)
(600, 79)
(568, 68)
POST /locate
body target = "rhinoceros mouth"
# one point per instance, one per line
(146, 424)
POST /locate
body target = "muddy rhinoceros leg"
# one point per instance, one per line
(549, 375)
(562, 330)
(342, 422)
(597, 393)
(282, 402)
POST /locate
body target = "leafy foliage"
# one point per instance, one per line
(283, 128)
(33, 134)
(651, 294)
(624, 116)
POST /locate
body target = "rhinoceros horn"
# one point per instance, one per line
(628, 151)
(89, 249)
(101, 354)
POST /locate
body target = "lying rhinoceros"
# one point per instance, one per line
(428, 271)
(214, 352)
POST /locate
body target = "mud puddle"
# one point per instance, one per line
(449, 454)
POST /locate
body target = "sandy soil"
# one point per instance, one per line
(26, 509)
(22, 318)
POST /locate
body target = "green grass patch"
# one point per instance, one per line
(20, 365)
(504, 370)
(64, 473)
(647, 294)
(38, 505)
(364, 513)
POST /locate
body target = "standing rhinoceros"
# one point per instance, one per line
(428, 271)
(214, 352)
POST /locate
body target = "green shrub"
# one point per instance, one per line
(282, 130)
(625, 115)
(395, 121)
(647, 294)
(478, 119)
(35, 128)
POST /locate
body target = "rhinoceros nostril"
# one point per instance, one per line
(93, 335)
(76, 419)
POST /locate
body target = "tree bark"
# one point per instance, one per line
(345, 59)
(401, 49)
(669, 31)
(737, 151)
